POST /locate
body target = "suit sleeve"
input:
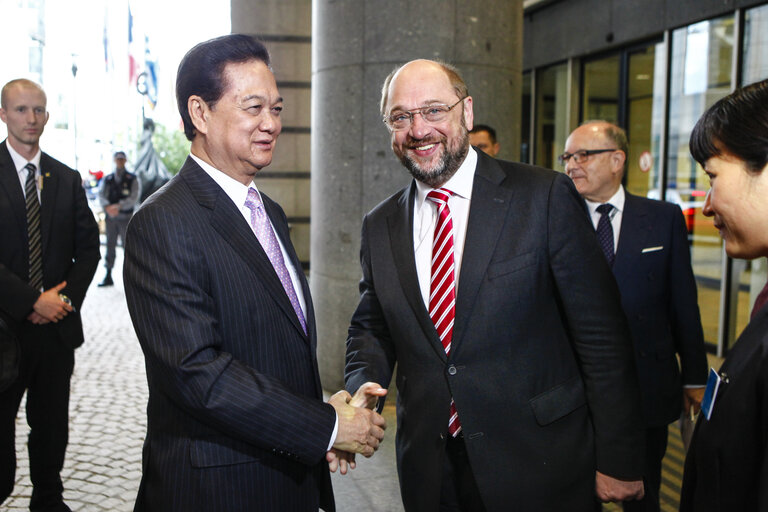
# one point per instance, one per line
(17, 297)
(175, 317)
(370, 352)
(599, 334)
(684, 306)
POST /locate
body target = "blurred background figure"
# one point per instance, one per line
(646, 244)
(483, 137)
(118, 195)
(726, 464)
(150, 169)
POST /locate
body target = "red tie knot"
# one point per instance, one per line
(440, 195)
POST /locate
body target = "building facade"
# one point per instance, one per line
(653, 67)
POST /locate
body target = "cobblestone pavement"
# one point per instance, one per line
(108, 422)
(107, 412)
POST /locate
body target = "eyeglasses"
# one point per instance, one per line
(582, 156)
(399, 121)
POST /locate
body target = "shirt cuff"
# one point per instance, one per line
(335, 432)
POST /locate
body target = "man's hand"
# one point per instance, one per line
(609, 489)
(112, 210)
(341, 460)
(692, 397)
(360, 429)
(368, 395)
(49, 307)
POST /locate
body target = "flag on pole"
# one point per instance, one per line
(150, 69)
(133, 65)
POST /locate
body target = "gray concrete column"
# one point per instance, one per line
(356, 43)
(285, 28)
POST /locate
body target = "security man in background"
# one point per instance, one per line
(118, 195)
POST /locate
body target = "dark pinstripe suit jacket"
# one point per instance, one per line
(235, 414)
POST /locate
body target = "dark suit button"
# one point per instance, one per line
(442, 436)
(452, 370)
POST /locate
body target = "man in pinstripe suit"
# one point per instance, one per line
(223, 312)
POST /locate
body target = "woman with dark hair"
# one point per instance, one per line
(727, 464)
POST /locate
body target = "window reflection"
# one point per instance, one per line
(551, 109)
(700, 75)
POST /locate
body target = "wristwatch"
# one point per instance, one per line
(66, 300)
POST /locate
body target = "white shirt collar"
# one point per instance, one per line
(617, 201)
(19, 161)
(235, 190)
(460, 183)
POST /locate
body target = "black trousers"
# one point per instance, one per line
(459, 492)
(45, 370)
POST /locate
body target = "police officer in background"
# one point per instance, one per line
(118, 195)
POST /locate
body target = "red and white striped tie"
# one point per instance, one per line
(442, 287)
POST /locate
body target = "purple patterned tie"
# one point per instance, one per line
(263, 231)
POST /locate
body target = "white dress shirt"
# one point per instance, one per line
(20, 162)
(617, 201)
(425, 220)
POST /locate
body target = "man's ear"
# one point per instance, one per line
(617, 160)
(469, 115)
(198, 113)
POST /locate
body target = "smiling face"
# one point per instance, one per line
(737, 202)
(431, 152)
(24, 112)
(237, 134)
(599, 176)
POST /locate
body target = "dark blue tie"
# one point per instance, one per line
(605, 232)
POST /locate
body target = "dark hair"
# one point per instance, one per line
(737, 125)
(201, 71)
(484, 128)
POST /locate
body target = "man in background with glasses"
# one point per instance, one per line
(516, 383)
(646, 243)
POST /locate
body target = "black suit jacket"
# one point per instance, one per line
(541, 365)
(727, 464)
(236, 419)
(658, 294)
(70, 244)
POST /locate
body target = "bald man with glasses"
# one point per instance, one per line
(646, 244)
(515, 379)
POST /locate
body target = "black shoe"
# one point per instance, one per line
(107, 281)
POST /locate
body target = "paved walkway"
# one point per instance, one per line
(108, 422)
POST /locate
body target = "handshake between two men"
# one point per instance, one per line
(361, 429)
